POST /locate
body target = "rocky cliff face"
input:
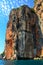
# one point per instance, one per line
(23, 34)
(39, 11)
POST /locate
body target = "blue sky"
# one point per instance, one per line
(5, 7)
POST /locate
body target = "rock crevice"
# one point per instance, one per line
(23, 34)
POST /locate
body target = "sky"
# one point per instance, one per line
(5, 8)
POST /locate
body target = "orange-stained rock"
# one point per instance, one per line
(41, 52)
(22, 34)
(9, 50)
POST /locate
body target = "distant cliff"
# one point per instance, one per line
(23, 34)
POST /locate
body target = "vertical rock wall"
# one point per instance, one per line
(23, 33)
(39, 11)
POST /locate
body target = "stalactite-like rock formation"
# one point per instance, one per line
(39, 11)
(23, 34)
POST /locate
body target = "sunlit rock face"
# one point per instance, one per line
(39, 11)
(10, 43)
(23, 33)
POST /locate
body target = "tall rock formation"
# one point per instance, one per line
(10, 42)
(39, 11)
(23, 34)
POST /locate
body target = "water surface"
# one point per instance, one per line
(21, 62)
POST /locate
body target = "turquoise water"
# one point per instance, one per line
(21, 62)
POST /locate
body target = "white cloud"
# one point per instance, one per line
(2, 6)
(5, 7)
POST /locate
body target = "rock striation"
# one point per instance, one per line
(23, 34)
(39, 11)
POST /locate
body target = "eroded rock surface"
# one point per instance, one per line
(39, 11)
(23, 34)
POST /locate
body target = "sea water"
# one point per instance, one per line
(21, 62)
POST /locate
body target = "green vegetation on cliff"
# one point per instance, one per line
(2, 54)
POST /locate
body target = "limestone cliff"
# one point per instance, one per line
(38, 7)
(39, 11)
(23, 34)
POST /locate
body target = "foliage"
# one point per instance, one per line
(3, 54)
